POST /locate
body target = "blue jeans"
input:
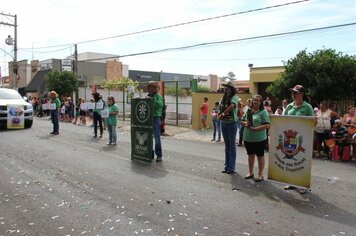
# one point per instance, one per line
(229, 131)
(157, 135)
(55, 120)
(216, 125)
(112, 133)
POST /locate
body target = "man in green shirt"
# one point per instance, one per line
(55, 108)
(153, 88)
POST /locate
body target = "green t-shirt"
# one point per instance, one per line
(303, 110)
(157, 105)
(258, 118)
(112, 119)
(232, 116)
(57, 102)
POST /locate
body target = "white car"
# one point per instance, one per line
(12, 97)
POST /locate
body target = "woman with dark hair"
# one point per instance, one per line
(98, 107)
(256, 122)
(228, 118)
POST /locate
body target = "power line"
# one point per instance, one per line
(179, 24)
(57, 50)
(225, 41)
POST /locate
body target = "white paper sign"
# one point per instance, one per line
(45, 106)
(63, 110)
(84, 106)
(91, 105)
(52, 106)
(15, 117)
(99, 105)
(105, 114)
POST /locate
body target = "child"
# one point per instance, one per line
(216, 122)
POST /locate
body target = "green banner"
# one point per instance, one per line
(141, 129)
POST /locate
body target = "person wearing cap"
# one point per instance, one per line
(153, 88)
(228, 118)
(299, 107)
(98, 107)
(56, 106)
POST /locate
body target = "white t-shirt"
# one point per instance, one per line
(323, 121)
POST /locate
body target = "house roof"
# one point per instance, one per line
(37, 81)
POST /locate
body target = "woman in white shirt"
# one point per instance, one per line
(323, 126)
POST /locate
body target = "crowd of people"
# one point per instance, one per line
(229, 118)
(252, 121)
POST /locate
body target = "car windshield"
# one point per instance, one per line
(9, 94)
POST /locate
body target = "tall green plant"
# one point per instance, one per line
(63, 82)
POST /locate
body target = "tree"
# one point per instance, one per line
(63, 82)
(325, 73)
(230, 76)
(119, 83)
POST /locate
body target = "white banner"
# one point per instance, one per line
(291, 150)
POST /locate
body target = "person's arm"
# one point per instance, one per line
(264, 120)
(227, 110)
(114, 111)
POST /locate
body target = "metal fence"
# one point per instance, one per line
(178, 110)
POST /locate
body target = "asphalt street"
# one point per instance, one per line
(72, 184)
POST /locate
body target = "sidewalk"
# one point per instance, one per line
(171, 130)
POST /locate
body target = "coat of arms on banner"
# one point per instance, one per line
(290, 145)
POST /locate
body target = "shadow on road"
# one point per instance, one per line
(309, 203)
(152, 170)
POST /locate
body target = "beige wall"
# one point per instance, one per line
(113, 69)
(263, 74)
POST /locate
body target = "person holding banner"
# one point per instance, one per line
(228, 118)
(110, 114)
(98, 107)
(55, 108)
(255, 122)
(299, 107)
(153, 88)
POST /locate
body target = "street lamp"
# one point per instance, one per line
(10, 41)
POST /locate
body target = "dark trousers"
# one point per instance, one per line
(97, 119)
(55, 120)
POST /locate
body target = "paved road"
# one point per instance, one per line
(73, 185)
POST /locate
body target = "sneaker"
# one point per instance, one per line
(219, 140)
(159, 159)
(113, 144)
(55, 133)
(109, 143)
(213, 140)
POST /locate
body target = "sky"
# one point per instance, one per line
(50, 28)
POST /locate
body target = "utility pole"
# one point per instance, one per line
(12, 41)
(75, 69)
